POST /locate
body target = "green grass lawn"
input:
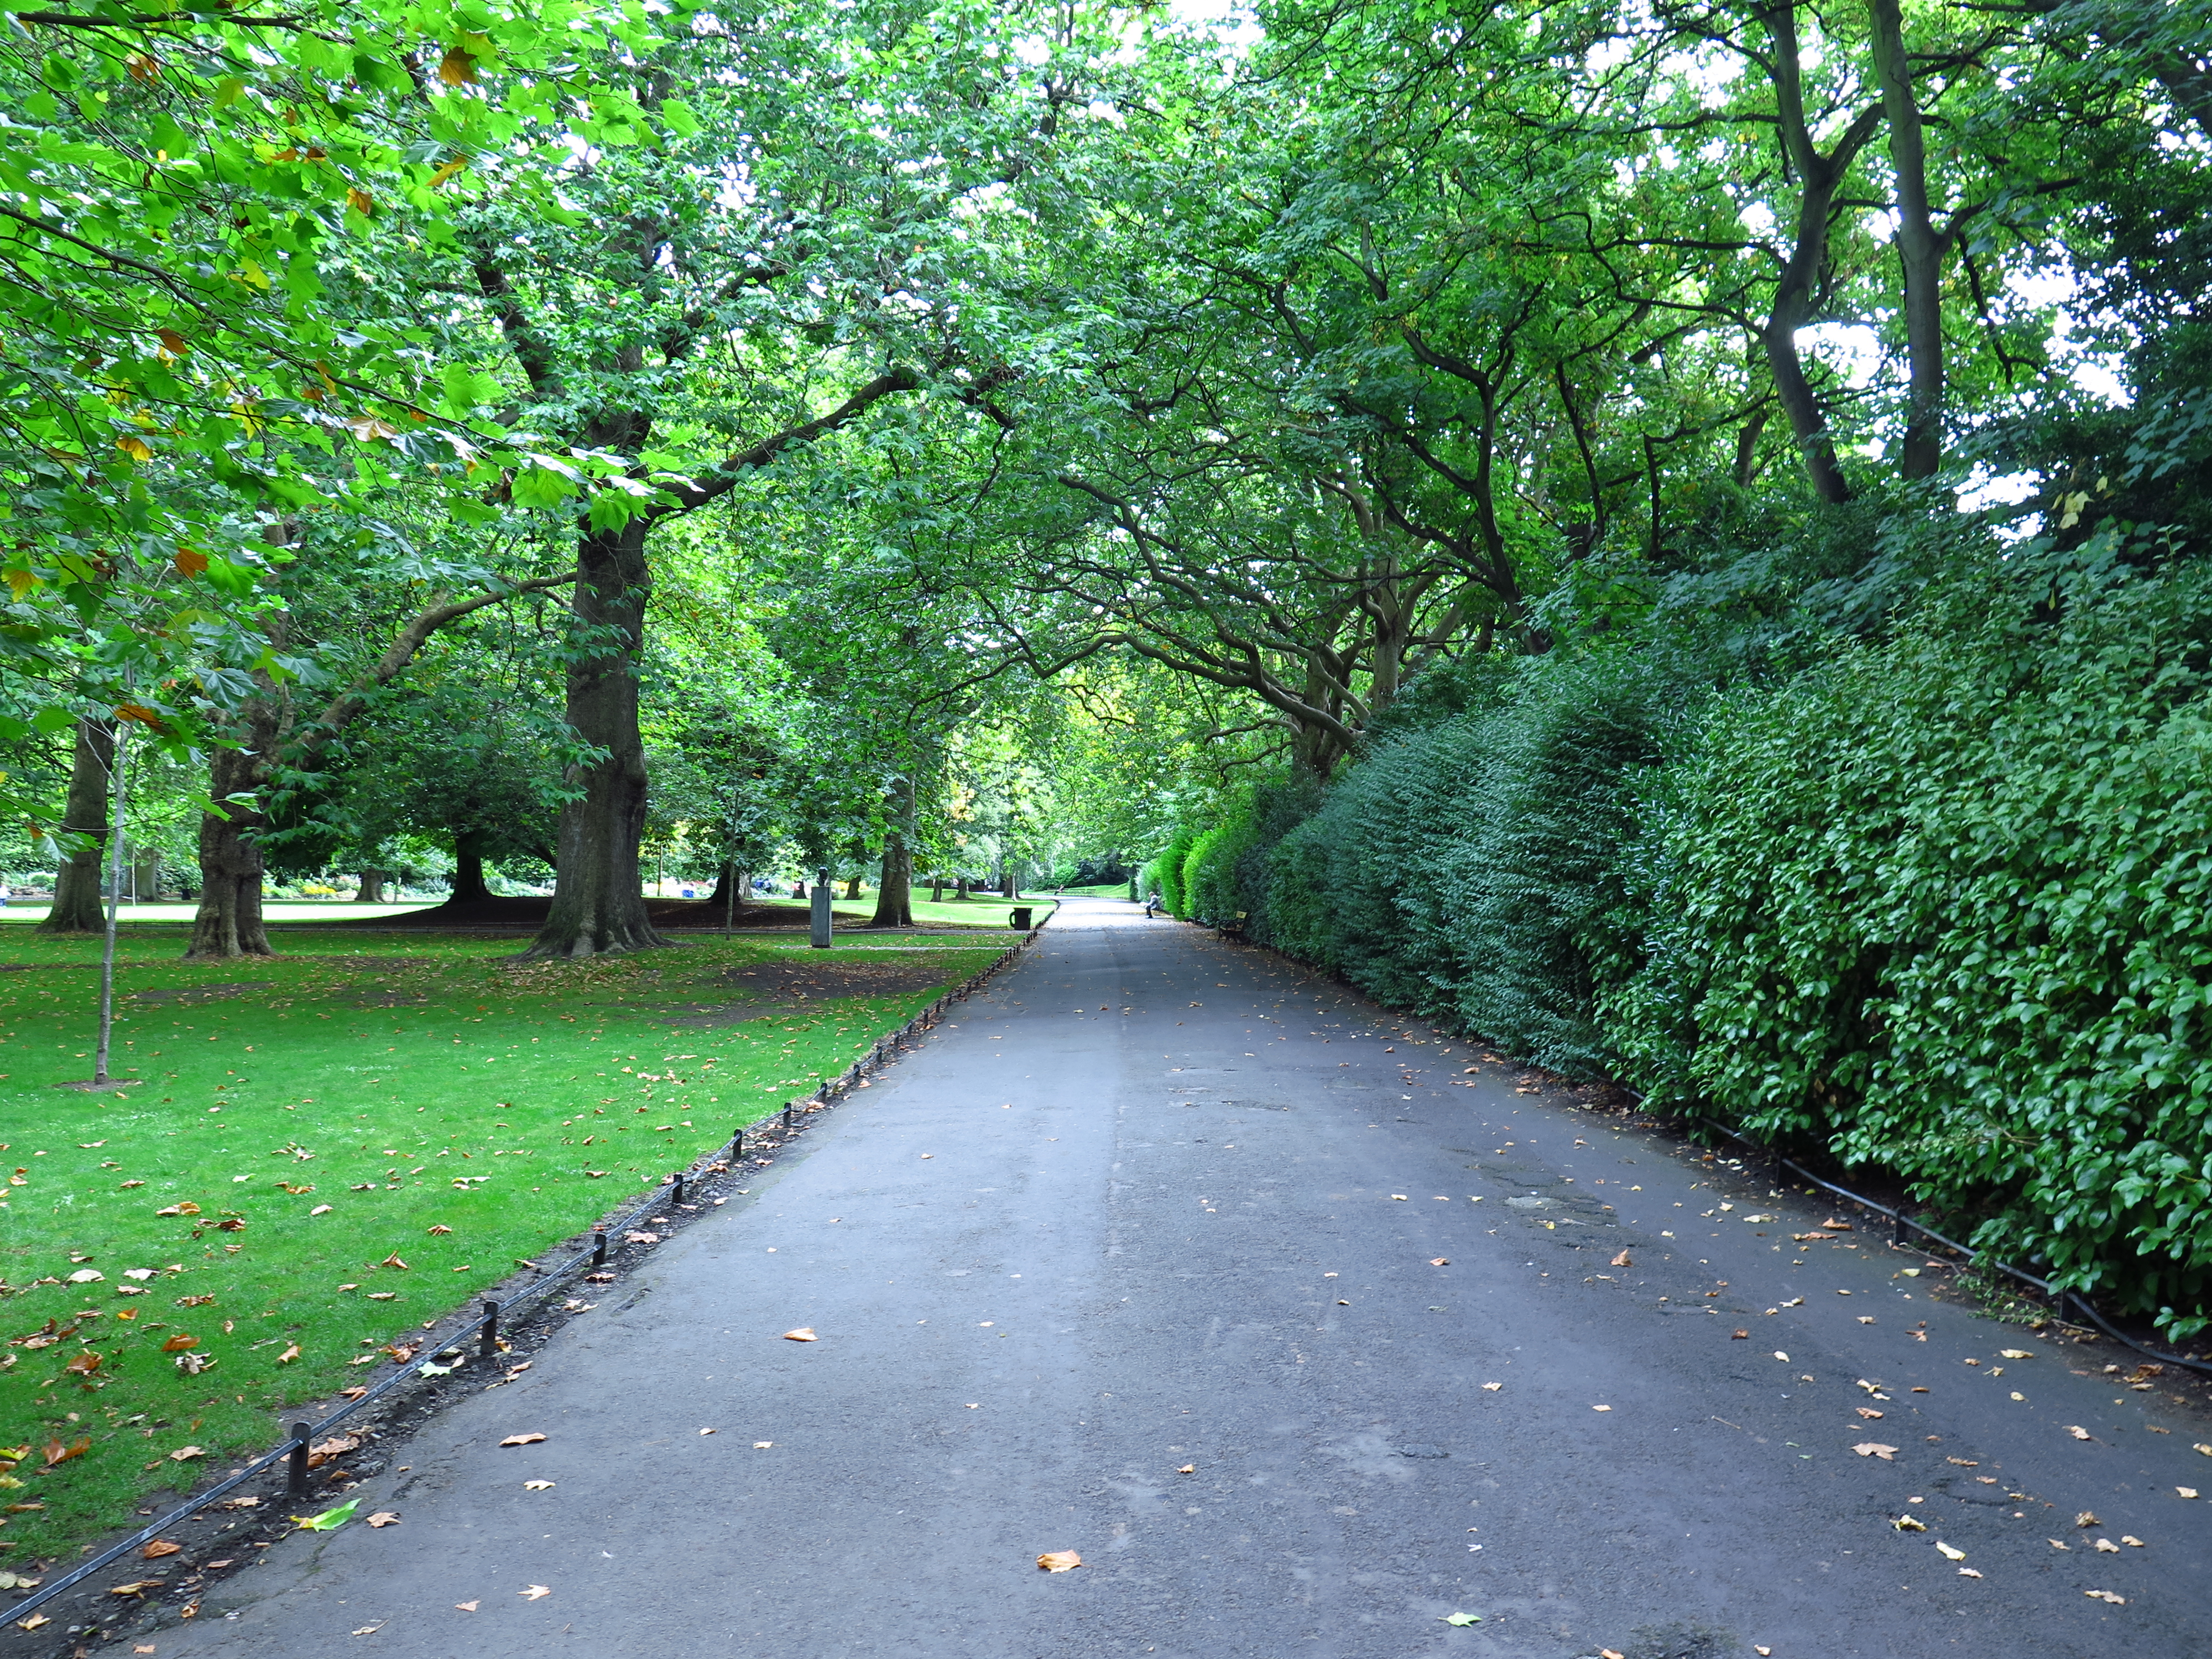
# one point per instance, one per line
(328, 1150)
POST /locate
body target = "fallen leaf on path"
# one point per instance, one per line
(2086, 1518)
(1188, 1468)
(138, 1588)
(538, 1485)
(1438, 1261)
(1908, 1523)
(385, 1518)
(1492, 1387)
(2131, 1541)
(2107, 1547)
(466, 1607)
(1872, 1448)
(1060, 1561)
(2056, 1545)
(2186, 1491)
(763, 1445)
(160, 1547)
(370, 1630)
(535, 1592)
(1622, 1261)
(33, 1622)
(1866, 1319)
(1968, 1572)
(522, 1440)
(1835, 1226)
(1401, 1196)
(804, 1334)
(1869, 1413)
(1601, 1408)
(1740, 1336)
(2016, 1353)
(706, 1431)
(328, 1520)
(1947, 1552)
(2077, 1431)
(1463, 1619)
(2107, 1595)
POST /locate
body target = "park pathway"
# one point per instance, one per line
(1305, 1346)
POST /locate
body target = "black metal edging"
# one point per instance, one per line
(486, 1322)
(1900, 1221)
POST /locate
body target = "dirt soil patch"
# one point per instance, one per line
(769, 988)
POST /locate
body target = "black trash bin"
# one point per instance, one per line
(1020, 922)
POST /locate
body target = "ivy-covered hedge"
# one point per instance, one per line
(1934, 899)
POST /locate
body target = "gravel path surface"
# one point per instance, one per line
(1305, 1349)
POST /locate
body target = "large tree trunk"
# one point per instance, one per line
(1008, 887)
(960, 888)
(371, 888)
(468, 886)
(894, 898)
(1920, 248)
(77, 885)
(599, 904)
(730, 883)
(229, 923)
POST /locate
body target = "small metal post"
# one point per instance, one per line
(1897, 1228)
(678, 1179)
(738, 1147)
(786, 1119)
(488, 1338)
(296, 1485)
(598, 1249)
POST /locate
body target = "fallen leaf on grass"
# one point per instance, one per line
(1947, 1552)
(179, 1209)
(320, 1209)
(328, 1520)
(160, 1547)
(393, 1261)
(804, 1334)
(179, 1342)
(538, 1485)
(522, 1440)
(291, 1352)
(441, 1228)
(1060, 1561)
(185, 1454)
(536, 1592)
(1871, 1449)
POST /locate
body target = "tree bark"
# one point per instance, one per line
(371, 888)
(469, 869)
(1920, 247)
(960, 887)
(936, 888)
(727, 877)
(598, 903)
(852, 888)
(895, 897)
(228, 922)
(1008, 887)
(1796, 295)
(76, 908)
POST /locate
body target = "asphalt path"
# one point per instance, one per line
(1306, 1348)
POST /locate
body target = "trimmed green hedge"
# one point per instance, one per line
(1939, 900)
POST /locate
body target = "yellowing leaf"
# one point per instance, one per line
(535, 1592)
(135, 448)
(522, 1440)
(360, 200)
(2107, 1595)
(1060, 1561)
(804, 1334)
(328, 1520)
(1947, 1552)
(457, 68)
(1463, 1619)
(538, 1485)
(2077, 1431)
(160, 1547)
(2107, 1547)
(1875, 1449)
(2016, 1353)
(447, 171)
(384, 1518)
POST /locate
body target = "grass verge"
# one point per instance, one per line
(332, 1148)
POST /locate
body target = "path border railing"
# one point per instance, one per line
(1900, 1223)
(295, 1451)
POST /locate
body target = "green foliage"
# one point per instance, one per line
(1940, 904)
